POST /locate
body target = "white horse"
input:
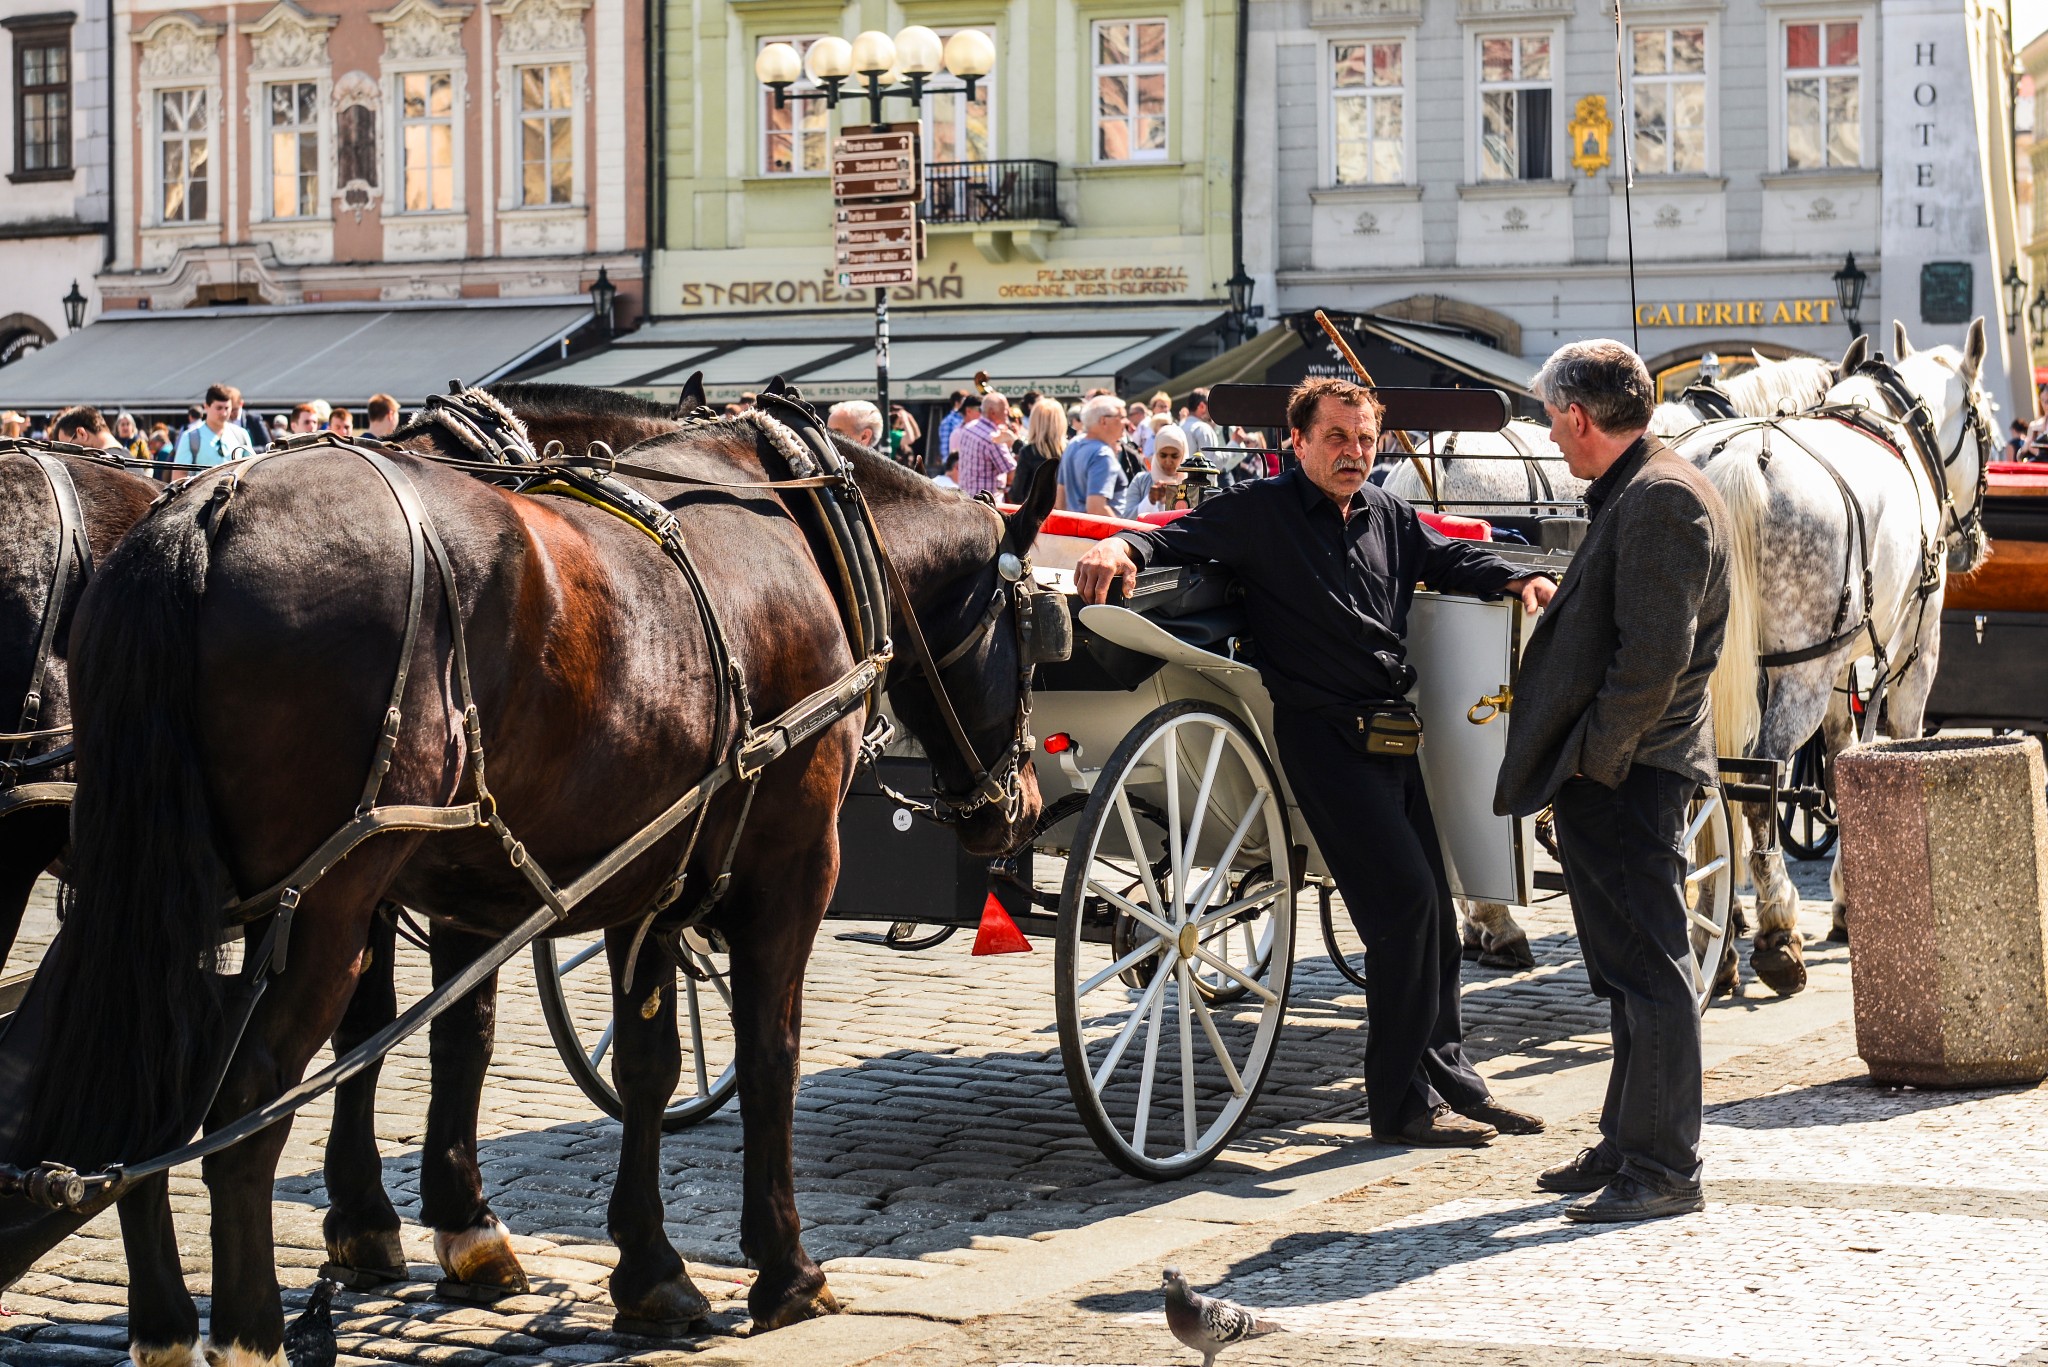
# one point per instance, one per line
(1515, 472)
(1845, 528)
(1771, 388)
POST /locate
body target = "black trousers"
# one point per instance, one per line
(1625, 872)
(1371, 819)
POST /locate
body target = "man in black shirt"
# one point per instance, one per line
(1329, 564)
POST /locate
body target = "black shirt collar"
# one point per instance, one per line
(1618, 474)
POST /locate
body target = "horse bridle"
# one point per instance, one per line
(1910, 411)
(74, 566)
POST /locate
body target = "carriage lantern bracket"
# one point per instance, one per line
(867, 67)
(2015, 296)
(1849, 283)
(74, 308)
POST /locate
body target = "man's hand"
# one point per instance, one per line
(1534, 590)
(1106, 562)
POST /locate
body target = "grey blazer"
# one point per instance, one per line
(1615, 674)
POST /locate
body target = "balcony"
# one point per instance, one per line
(1011, 208)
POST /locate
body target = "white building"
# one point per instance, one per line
(53, 141)
(1458, 162)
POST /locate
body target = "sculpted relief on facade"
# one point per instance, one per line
(418, 29)
(288, 39)
(175, 48)
(542, 25)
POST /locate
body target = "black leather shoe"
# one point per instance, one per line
(1442, 1128)
(1590, 1171)
(1503, 1118)
(1625, 1199)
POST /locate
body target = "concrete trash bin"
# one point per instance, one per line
(1945, 867)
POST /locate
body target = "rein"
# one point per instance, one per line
(73, 568)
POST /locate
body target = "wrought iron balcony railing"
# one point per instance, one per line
(991, 191)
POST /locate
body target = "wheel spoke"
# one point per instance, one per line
(1208, 1020)
(1699, 822)
(1144, 1118)
(1703, 923)
(1264, 992)
(1132, 909)
(1224, 860)
(717, 980)
(697, 1037)
(1129, 960)
(1257, 898)
(604, 1043)
(1169, 760)
(578, 959)
(1187, 1056)
(1196, 822)
(1707, 870)
(1123, 1036)
(1123, 807)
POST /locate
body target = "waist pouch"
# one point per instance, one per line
(1389, 730)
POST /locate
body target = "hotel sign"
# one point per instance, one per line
(1737, 313)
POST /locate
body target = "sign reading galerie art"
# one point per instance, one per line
(1737, 313)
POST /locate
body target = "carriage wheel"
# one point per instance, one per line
(1808, 832)
(1709, 845)
(574, 979)
(1165, 1071)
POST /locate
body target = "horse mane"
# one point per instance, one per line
(1763, 391)
(575, 400)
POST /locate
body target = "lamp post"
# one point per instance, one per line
(74, 309)
(1849, 283)
(2037, 314)
(2015, 296)
(603, 295)
(1243, 313)
(876, 67)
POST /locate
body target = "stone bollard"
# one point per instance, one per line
(1945, 866)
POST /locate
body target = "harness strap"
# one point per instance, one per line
(74, 559)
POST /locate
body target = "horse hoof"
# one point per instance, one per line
(364, 1278)
(1838, 929)
(1778, 963)
(798, 1307)
(479, 1263)
(1727, 977)
(1512, 953)
(666, 1311)
(362, 1261)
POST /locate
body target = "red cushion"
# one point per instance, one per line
(1461, 528)
(1088, 526)
(1164, 516)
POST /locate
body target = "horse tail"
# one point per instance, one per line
(1738, 717)
(134, 1010)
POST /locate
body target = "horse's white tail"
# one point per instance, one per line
(1738, 717)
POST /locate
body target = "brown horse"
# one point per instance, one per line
(590, 675)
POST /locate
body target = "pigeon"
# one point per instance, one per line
(309, 1339)
(1206, 1324)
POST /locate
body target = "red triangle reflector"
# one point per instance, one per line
(998, 933)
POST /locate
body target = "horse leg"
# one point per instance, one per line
(1797, 706)
(361, 1227)
(651, 1288)
(472, 1244)
(1501, 942)
(163, 1322)
(34, 838)
(768, 958)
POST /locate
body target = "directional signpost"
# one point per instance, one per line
(877, 181)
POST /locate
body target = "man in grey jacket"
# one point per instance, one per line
(1611, 727)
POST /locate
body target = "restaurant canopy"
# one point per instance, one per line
(832, 356)
(278, 355)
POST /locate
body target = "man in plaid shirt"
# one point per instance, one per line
(985, 456)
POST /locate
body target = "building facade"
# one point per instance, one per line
(1460, 163)
(273, 153)
(53, 137)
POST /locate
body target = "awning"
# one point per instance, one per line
(1462, 354)
(277, 356)
(1246, 363)
(832, 356)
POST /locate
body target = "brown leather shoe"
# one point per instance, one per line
(1506, 1119)
(1442, 1128)
(1590, 1171)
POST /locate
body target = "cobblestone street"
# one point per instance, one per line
(942, 1174)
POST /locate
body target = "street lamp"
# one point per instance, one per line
(74, 309)
(1849, 283)
(603, 294)
(873, 62)
(1242, 311)
(2037, 314)
(2015, 296)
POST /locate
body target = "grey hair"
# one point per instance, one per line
(866, 417)
(1602, 376)
(1100, 407)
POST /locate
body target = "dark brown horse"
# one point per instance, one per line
(594, 702)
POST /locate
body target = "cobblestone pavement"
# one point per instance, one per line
(934, 1133)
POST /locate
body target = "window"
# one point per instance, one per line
(1368, 112)
(957, 129)
(294, 149)
(1823, 96)
(42, 111)
(1130, 90)
(1514, 107)
(426, 148)
(795, 138)
(547, 143)
(1668, 100)
(182, 151)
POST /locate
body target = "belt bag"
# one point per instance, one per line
(1385, 731)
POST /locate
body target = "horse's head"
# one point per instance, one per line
(987, 626)
(1965, 431)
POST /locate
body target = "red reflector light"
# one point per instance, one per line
(1058, 743)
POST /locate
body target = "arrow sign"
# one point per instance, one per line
(877, 256)
(866, 277)
(899, 216)
(905, 236)
(881, 165)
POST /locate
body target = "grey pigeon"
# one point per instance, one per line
(1206, 1324)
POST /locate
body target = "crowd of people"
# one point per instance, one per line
(219, 428)
(1117, 458)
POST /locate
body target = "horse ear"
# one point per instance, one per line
(1023, 525)
(1901, 348)
(1974, 350)
(692, 397)
(1758, 357)
(1854, 356)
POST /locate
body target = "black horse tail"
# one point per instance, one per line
(134, 1024)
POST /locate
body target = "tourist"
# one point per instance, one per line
(984, 448)
(952, 422)
(1044, 439)
(858, 420)
(215, 439)
(341, 423)
(1092, 477)
(384, 414)
(1161, 488)
(83, 425)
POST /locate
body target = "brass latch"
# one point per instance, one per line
(1492, 704)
